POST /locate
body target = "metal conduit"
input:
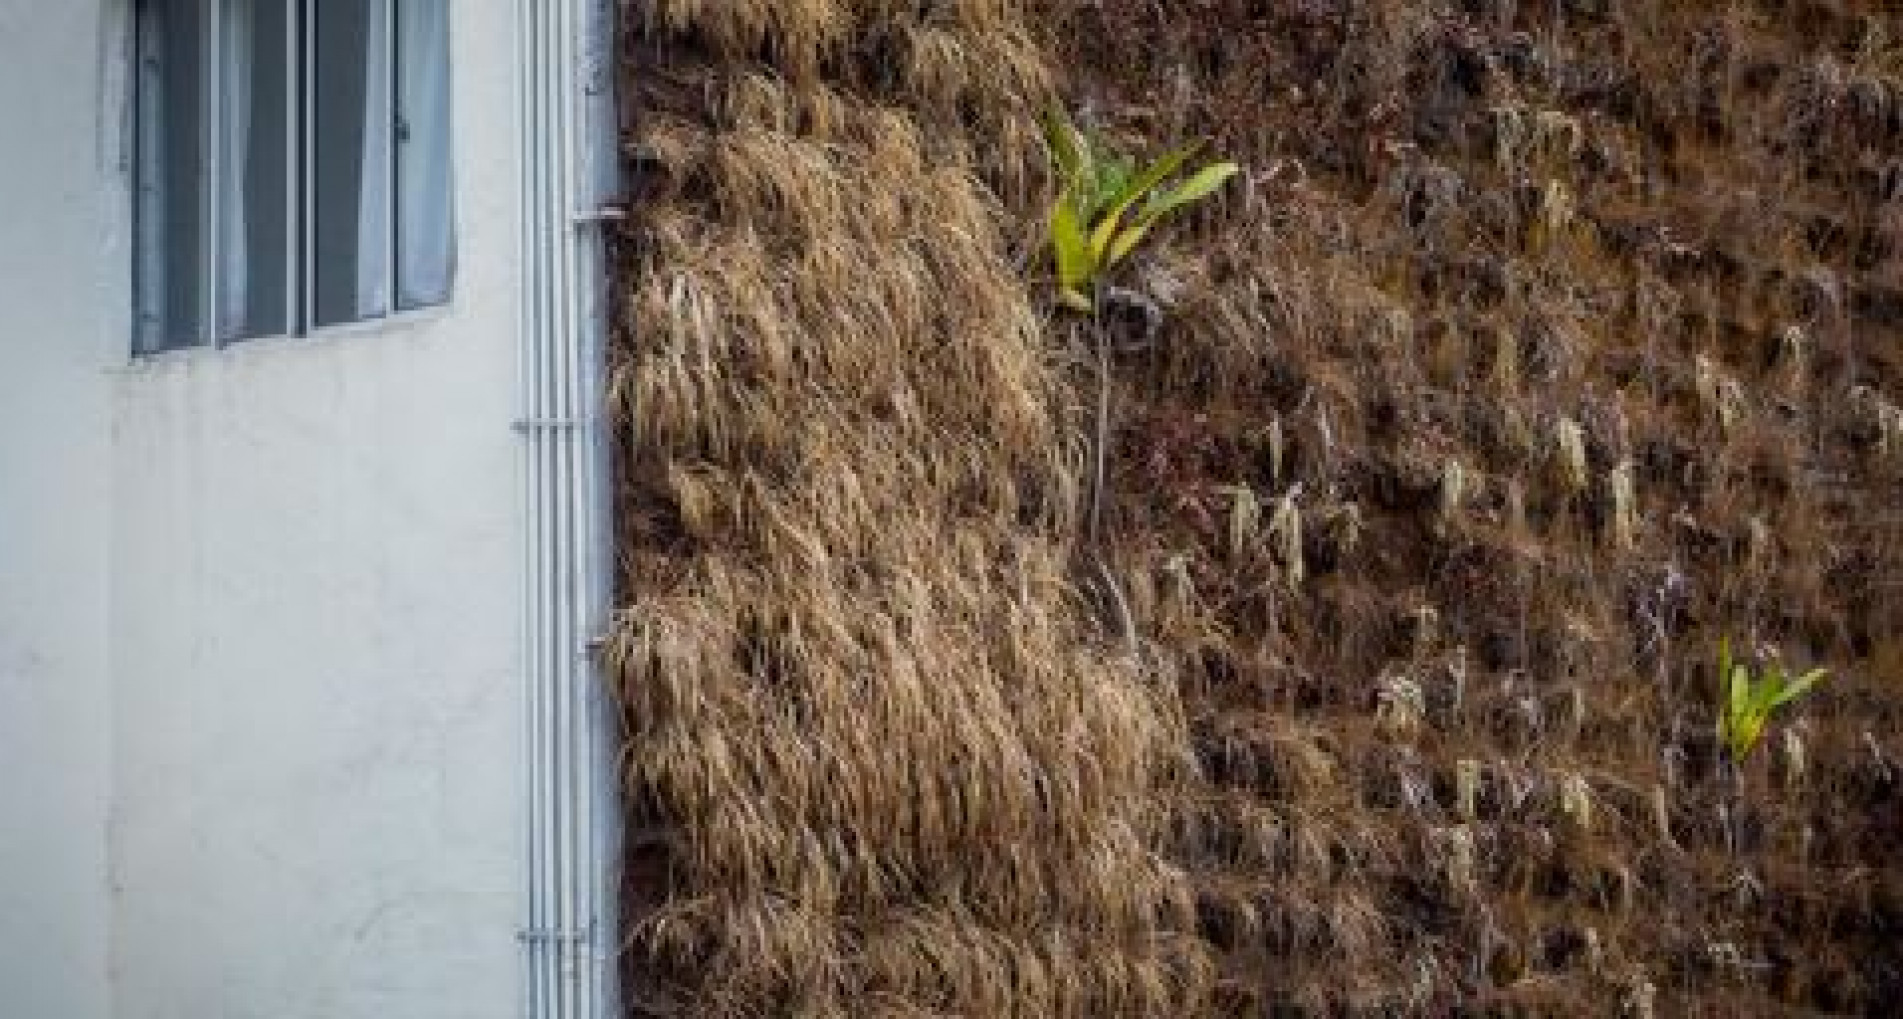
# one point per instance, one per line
(565, 168)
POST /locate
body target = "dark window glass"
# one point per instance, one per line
(293, 165)
(173, 182)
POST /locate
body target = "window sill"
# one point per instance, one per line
(399, 324)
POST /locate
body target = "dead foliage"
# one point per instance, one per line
(1544, 344)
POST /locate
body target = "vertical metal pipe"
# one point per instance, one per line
(581, 411)
(547, 923)
(583, 32)
(561, 75)
(566, 957)
(550, 199)
(529, 172)
(592, 756)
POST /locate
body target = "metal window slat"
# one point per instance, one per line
(291, 321)
(148, 315)
(392, 26)
(212, 154)
(306, 174)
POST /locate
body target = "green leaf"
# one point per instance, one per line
(1198, 186)
(1800, 687)
(1126, 240)
(1137, 186)
(1749, 699)
(1114, 173)
(1088, 227)
(1769, 682)
(1070, 247)
(1745, 737)
(1724, 717)
(1738, 707)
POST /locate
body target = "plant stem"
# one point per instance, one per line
(1101, 450)
(1733, 781)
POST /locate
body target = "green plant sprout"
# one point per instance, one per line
(1089, 232)
(1748, 701)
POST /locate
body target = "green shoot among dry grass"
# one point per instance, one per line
(1089, 232)
(1748, 701)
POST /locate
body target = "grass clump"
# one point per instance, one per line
(1100, 187)
(1748, 700)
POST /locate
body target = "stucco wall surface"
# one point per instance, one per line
(259, 653)
(60, 300)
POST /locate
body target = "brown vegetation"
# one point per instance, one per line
(1544, 344)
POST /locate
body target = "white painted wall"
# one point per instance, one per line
(61, 299)
(259, 606)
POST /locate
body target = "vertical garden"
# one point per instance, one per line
(1328, 619)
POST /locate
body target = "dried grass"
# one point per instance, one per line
(1542, 346)
(893, 767)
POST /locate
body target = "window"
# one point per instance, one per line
(293, 166)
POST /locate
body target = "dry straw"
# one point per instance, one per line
(893, 763)
(1539, 347)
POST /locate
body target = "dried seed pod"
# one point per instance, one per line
(1453, 490)
(1456, 845)
(1622, 520)
(1569, 442)
(1641, 998)
(1885, 419)
(1793, 353)
(1245, 518)
(1285, 533)
(1423, 629)
(1506, 360)
(1467, 787)
(1722, 395)
(1575, 800)
(1400, 706)
(1794, 761)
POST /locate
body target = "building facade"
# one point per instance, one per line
(277, 708)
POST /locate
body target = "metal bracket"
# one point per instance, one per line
(604, 214)
(554, 936)
(538, 424)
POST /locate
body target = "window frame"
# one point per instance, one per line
(299, 314)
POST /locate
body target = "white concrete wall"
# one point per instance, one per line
(262, 602)
(62, 309)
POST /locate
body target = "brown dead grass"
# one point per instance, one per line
(1542, 345)
(887, 764)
